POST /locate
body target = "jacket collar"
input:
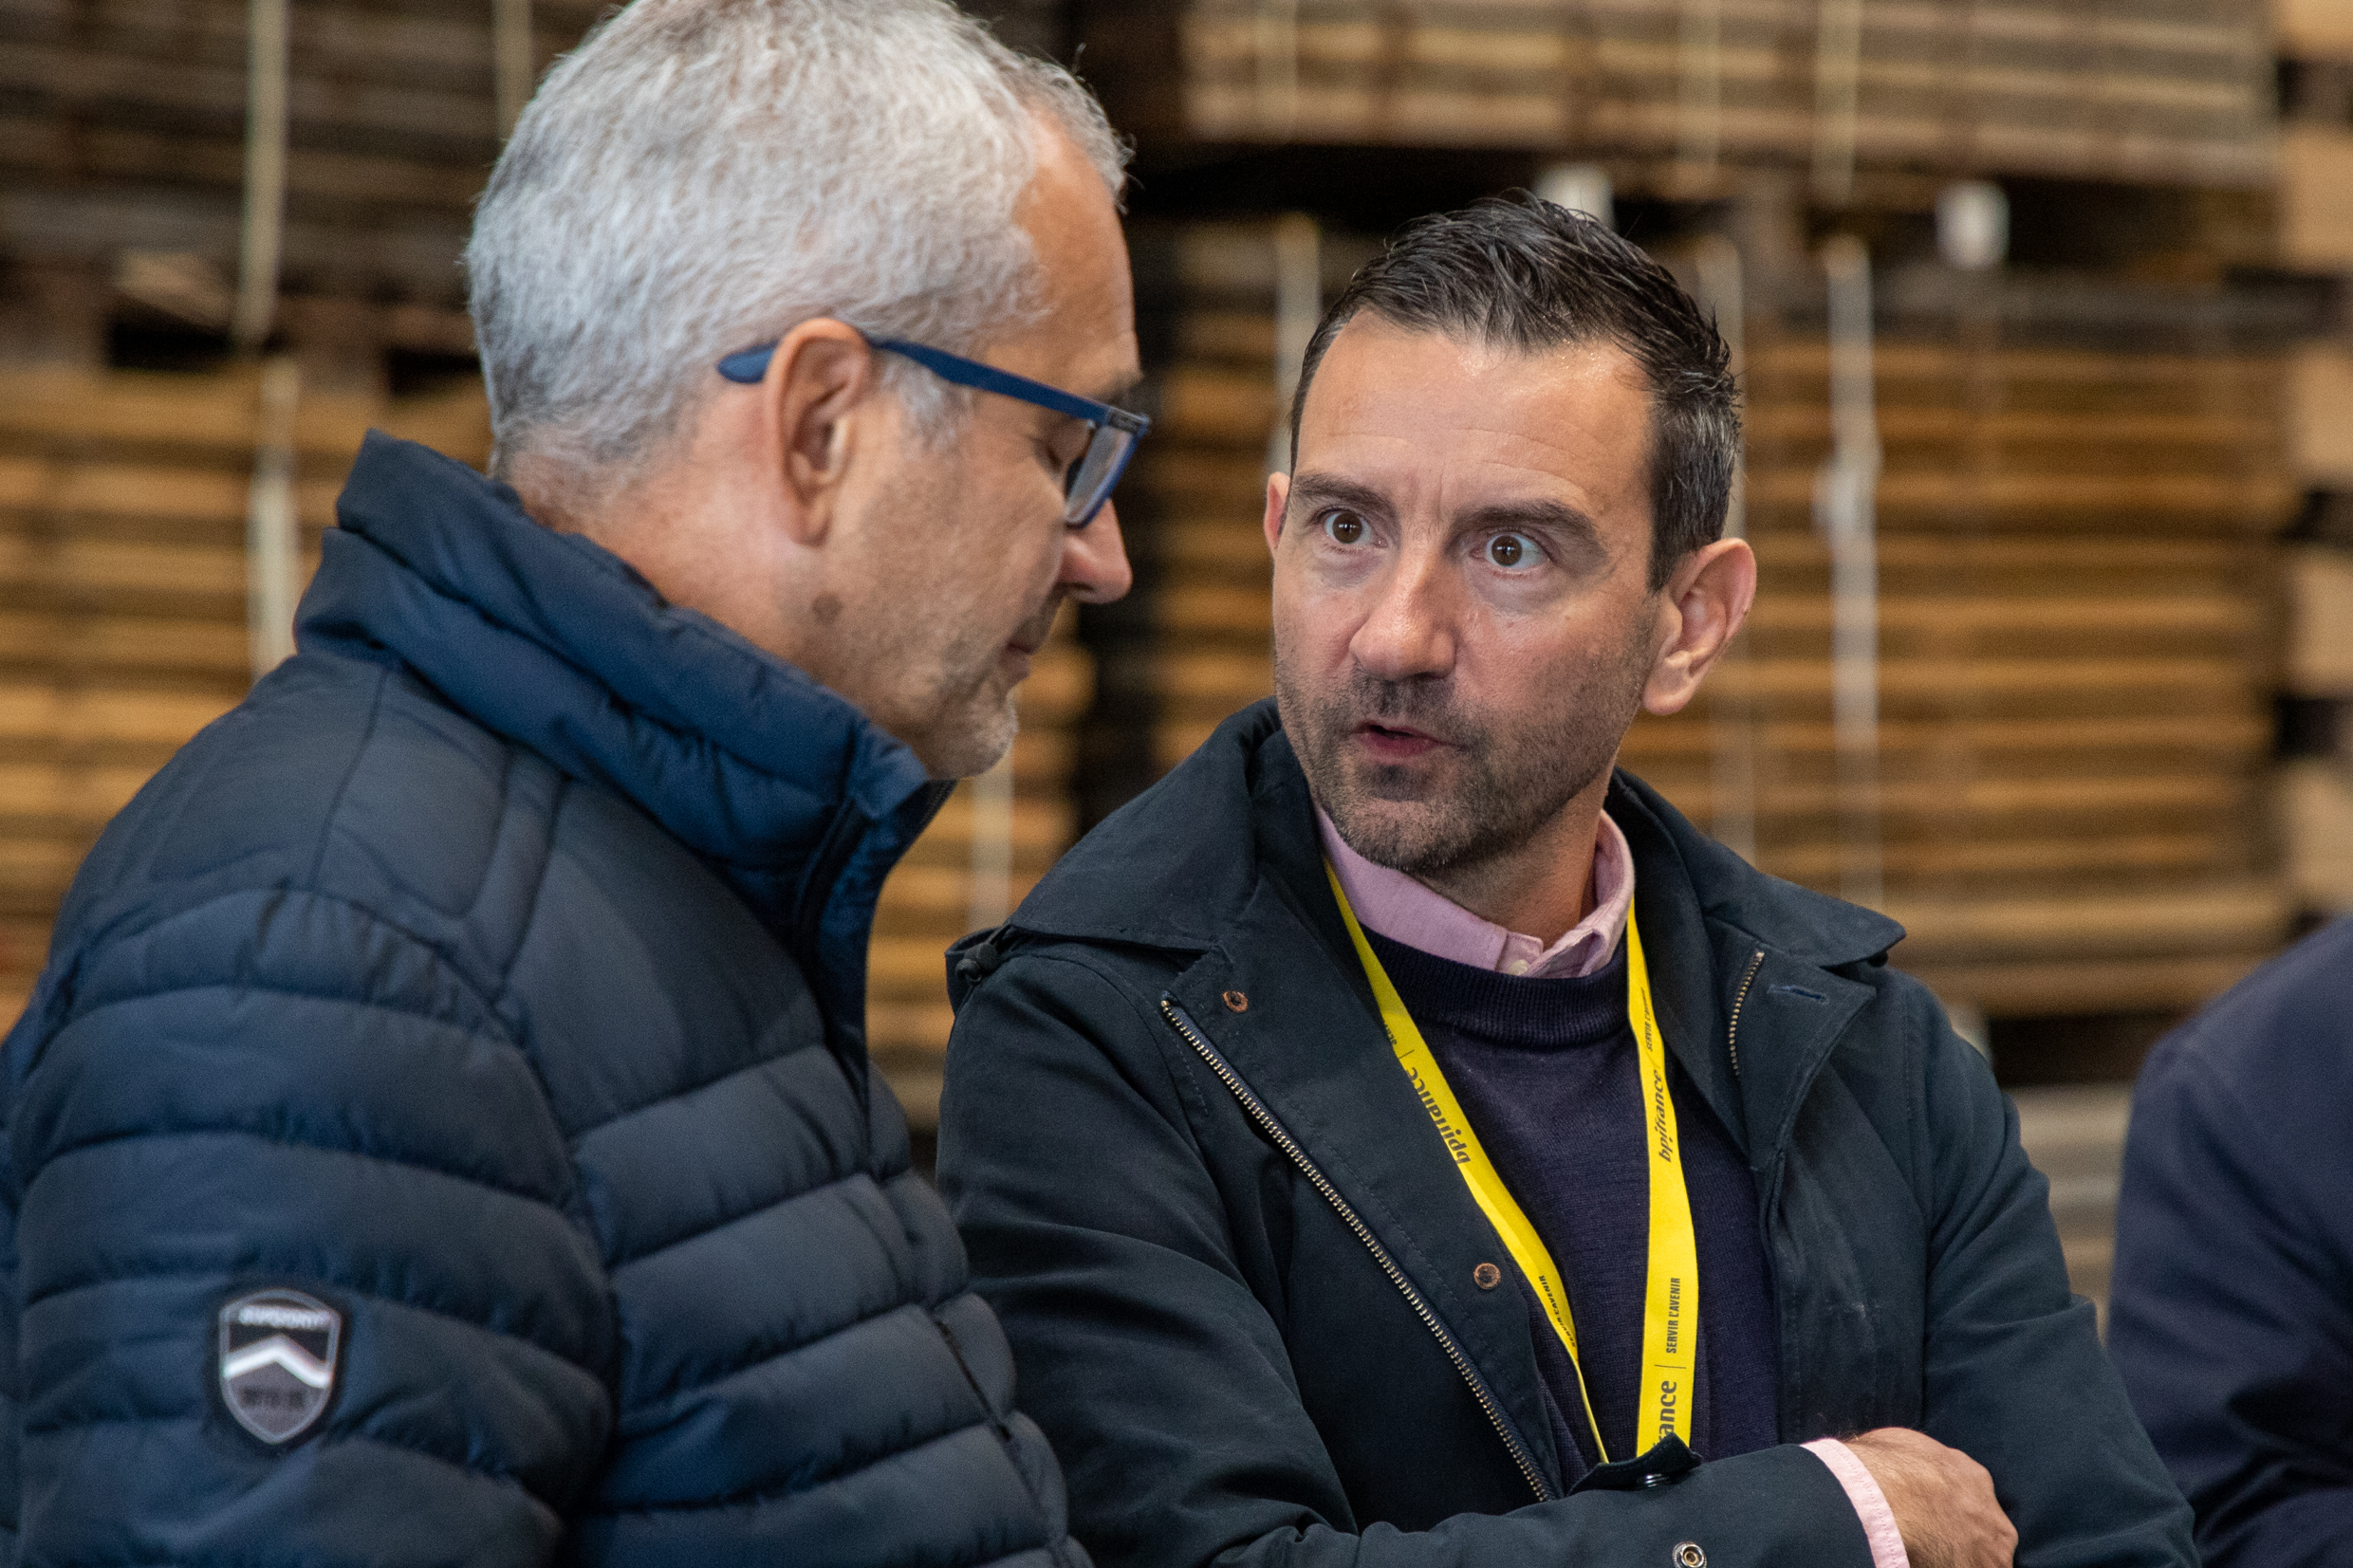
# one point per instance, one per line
(782, 787)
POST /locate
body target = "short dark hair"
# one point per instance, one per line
(1519, 272)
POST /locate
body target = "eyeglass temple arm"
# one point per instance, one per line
(750, 364)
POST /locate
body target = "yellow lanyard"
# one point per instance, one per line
(1671, 1303)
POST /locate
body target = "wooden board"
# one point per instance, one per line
(2172, 93)
(2316, 198)
(2316, 821)
(2313, 29)
(123, 129)
(2321, 417)
(2319, 661)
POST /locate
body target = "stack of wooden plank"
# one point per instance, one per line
(2175, 91)
(2075, 643)
(122, 128)
(2315, 39)
(122, 550)
(1198, 483)
(2316, 789)
(2315, 42)
(2075, 639)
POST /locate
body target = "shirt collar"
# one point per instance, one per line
(1404, 910)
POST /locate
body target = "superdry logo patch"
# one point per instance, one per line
(277, 1361)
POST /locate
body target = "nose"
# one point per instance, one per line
(1408, 629)
(1094, 560)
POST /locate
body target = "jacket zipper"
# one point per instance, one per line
(1283, 1140)
(1731, 1037)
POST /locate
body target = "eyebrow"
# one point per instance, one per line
(1325, 490)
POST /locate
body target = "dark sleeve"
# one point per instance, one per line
(2232, 1320)
(220, 1115)
(1098, 1233)
(2013, 1371)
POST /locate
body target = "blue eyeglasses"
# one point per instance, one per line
(1112, 432)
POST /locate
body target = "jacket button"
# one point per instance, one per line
(1689, 1556)
(1236, 1003)
(1487, 1276)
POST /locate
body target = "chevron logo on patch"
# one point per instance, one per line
(277, 1361)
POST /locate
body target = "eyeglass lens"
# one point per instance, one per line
(1089, 482)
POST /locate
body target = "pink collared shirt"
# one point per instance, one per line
(1404, 910)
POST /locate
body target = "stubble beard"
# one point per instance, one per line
(1494, 788)
(971, 721)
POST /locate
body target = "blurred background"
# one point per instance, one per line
(2041, 303)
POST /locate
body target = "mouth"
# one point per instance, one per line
(1013, 658)
(1030, 637)
(1395, 743)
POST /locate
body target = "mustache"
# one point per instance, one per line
(1426, 705)
(1033, 632)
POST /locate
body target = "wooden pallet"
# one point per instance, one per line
(2075, 637)
(2170, 93)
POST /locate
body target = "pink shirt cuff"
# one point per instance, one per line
(1879, 1520)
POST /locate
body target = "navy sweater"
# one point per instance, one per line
(1548, 1074)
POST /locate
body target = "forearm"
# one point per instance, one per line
(1777, 1508)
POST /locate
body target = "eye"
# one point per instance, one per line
(1512, 550)
(1342, 526)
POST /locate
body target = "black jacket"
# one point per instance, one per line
(494, 977)
(2232, 1315)
(1236, 1263)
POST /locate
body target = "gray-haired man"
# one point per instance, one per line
(443, 1132)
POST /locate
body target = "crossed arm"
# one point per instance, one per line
(1165, 1382)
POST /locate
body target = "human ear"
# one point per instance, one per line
(1705, 601)
(818, 376)
(1278, 497)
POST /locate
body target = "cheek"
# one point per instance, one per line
(1544, 657)
(1312, 625)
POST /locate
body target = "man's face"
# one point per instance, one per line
(1463, 623)
(964, 558)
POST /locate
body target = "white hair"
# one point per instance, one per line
(702, 175)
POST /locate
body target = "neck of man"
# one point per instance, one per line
(1542, 886)
(686, 531)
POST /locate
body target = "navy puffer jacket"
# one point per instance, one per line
(491, 982)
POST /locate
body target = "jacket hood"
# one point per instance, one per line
(1173, 867)
(782, 787)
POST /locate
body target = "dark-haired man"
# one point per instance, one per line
(1397, 1137)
